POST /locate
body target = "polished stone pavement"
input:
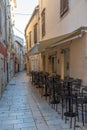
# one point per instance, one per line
(22, 108)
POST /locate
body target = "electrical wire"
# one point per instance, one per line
(21, 14)
(19, 30)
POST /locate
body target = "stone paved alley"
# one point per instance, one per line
(22, 108)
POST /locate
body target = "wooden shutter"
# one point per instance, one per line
(30, 39)
(63, 6)
(35, 33)
(43, 22)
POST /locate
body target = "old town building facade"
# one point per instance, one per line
(62, 38)
(32, 39)
(6, 41)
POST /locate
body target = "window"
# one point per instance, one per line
(43, 22)
(0, 21)
(35, 33)
(63, 7)
(26, 43)
(30, 39)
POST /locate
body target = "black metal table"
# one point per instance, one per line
(70, 113)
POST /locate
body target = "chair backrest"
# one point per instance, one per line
(78, 82)
(84, 91)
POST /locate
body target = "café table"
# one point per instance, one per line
(69, 97)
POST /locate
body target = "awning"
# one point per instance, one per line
(33, 50)
(42, 45)
(60, 39)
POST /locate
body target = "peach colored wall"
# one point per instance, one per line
(77, 59)
(73, 19)
(85, 63)
(78, 54)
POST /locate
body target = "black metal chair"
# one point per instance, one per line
(76, 85)
(54, 96)
(81, 102)
(41, 82)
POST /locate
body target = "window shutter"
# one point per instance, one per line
(27, 42)
(43, 22)
(30, 39)
(35, 33)
(63, 6)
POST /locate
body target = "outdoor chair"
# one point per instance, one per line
(76, 85)
(81, 102)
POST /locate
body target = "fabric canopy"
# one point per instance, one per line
(42, 45)
(52, 41)
(33, 50)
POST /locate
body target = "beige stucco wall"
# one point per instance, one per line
(73, 19)
(78, 55)
(30, 28)
(77, 59)
(34, 61)
(85, 66)
(55, 26)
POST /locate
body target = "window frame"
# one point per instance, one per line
(30, 39)
(26, 42)
(64, 7)
(35, 33)
(43, 22)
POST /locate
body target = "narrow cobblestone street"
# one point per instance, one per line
(22, 108)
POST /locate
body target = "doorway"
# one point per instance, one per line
(65, 63)
(54, 64)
